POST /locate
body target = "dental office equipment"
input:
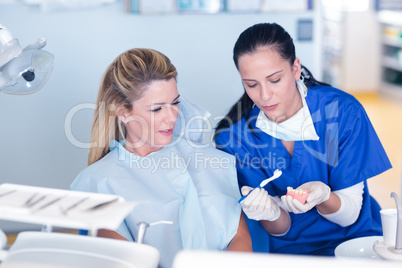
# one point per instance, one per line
(50, 203)
(393, 252)
(398, 239)
(43, 249)
(64, 211)
(31, 203)
(277, 174)
(103, 204)
(39, 205)
(23, 71)
(142, 228)
(216, 259)
(7, 193)
(30, 199)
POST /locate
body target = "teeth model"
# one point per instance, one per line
(298, 194)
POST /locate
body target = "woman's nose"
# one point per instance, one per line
(172, 114)
(265, 93)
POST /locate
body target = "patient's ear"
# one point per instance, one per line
(122, 114)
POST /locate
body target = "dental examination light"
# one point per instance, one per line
(23, 71)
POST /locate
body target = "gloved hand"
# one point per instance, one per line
(318, 193)
(259, 205)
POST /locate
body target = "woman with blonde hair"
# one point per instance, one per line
(169, 177)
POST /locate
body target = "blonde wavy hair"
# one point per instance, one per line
(125, 81)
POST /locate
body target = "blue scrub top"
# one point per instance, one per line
(348, 152)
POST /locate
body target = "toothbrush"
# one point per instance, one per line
(277, 174)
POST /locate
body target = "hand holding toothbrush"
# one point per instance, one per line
(277, 174)
(258, 204)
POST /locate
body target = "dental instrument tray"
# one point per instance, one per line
(62, 208)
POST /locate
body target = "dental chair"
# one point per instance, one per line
(62, 250)
(3, 239)
(47, 249)
(3, 244)
(219, 259)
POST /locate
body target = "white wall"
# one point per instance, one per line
(34, 149)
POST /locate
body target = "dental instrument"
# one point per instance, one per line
(7, 193)
(101, 205)
(30, 199)
(277, 174)
(142, 227)
(73, 205)
(30, 204)
(50, 203)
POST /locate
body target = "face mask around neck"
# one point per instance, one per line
(299, 127)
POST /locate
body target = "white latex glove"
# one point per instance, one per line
(318, 193)
(259, 205)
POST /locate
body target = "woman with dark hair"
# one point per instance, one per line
(319, 136)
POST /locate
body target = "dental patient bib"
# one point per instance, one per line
(194, 188)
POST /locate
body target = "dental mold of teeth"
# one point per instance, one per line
(298, 194)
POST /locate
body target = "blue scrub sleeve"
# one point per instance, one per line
(360, 155)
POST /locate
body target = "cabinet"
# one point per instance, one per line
(350, 58)
(391, 54)
(333, 47)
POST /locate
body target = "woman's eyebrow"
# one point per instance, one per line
(175, 99)
(163, 103)
(265, 77)
(274, 74)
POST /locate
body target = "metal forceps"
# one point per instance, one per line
(73, 205)
(29, 203)
(7, 193)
